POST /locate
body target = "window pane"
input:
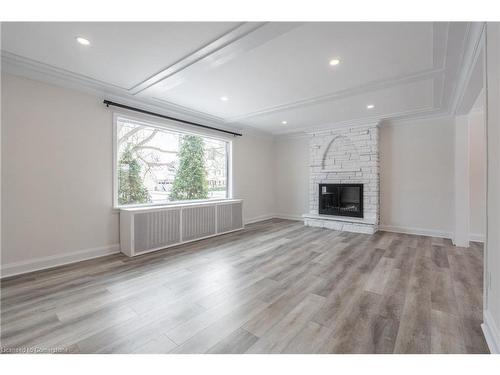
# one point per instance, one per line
(160, 166)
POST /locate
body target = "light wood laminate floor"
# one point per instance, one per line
(275, 287)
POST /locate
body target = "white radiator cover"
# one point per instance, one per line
(146, 229)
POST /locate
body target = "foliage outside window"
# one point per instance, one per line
(157, 166)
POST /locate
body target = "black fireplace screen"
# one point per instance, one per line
(341, 199)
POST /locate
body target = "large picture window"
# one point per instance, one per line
(155, 165)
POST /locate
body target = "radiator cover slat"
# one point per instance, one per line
(156, 229)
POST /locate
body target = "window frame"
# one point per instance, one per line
(169, 126)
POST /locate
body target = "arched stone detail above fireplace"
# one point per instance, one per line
(340, 153)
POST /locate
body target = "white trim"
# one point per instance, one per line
(233, 44)
(218, 48)
(361, 121)
(386, 121)
(229, 171)
(491, 333)
(289, 217)
(461, 222)
(423, 75)
(385, 228)
(346, 219)
(339, 170)
(476, 237)
(341, 126)
(416, 231)
(174, 205)
(17, 268)
(477, 110)
(259, 218)
(412, 120)
(286, 136)
(473, 46)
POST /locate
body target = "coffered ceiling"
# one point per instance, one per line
(274, 77)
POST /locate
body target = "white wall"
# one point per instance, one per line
(416, 171)
(57, 175)
(491, 325)
(477, 172)
(416, 176)
(56, 168)
(461, 184)
(253, 175)
(291, 179)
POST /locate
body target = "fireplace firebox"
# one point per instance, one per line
(341, 199)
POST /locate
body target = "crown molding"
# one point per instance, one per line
(388, 121)
(477, 111)
(361, 121)
(291, 136)
(368, 124)
(232, 36)
(438, 103)
(183, 109)
(245, 38)
(20, 65)
(342, 94)
(474, 41)
(440, 36)
(440, 114)
(30, 69)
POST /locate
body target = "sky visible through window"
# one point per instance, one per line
(156, 166)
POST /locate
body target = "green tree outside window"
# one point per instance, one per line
(131, 187)
(190, 181)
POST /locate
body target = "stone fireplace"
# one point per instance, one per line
(344, 179)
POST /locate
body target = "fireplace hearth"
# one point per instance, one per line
(341, 200)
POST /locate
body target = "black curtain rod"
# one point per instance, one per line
(108, 103)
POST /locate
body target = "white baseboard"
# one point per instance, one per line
(491, 333)
(386, 228)
(17, 268)
(476, 237)
(274, 216)
(259, 218)
(289, 217)
(417, 231)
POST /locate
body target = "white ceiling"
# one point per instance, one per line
(271, 72)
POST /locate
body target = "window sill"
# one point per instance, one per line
(176, 205)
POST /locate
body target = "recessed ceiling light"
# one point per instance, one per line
(334, 62)
(284, 122)
(82, 41)
(370, 106)
(224, 98)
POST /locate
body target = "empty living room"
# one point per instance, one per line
(221, 184)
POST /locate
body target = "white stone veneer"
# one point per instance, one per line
(345, 155)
